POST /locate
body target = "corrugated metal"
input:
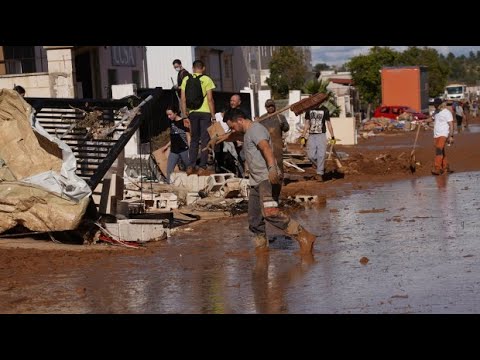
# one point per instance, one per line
(159, 63)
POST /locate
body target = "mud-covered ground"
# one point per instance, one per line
(27, 266)
(386, 157)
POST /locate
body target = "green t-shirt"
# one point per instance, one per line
(207, 84)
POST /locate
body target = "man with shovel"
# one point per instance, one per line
(264, 173)
(442, 132)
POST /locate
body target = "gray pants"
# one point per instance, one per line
(259, 196)
(199, 123)
(173, 161)
(316, 149)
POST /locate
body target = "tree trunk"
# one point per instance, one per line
(368, 110)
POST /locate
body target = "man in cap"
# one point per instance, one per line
(276, 126)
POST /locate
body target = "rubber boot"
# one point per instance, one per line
(305, 239)
(260, 242)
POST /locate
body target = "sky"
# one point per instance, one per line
(337, 55)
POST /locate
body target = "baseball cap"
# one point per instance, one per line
(269, 102)
(437, 101)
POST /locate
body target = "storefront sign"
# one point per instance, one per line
(123, 56)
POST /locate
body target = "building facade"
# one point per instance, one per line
(71, 71)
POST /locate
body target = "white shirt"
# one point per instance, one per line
(441, 127)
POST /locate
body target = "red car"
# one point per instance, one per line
(392, 112)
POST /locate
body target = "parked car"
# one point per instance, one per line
(393, 112)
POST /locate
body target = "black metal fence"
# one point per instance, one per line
(96, 156)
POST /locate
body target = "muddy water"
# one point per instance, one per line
(405, 247)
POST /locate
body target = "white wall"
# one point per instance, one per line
(252, 107)
(344, 129)
(159, 64)
(263, 95)
(118, 92)
(35, 84)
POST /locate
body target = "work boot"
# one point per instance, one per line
(305, 240)
(204, 172)
(260, 242)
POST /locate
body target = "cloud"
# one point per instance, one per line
(337, 55)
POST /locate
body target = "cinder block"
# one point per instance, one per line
(192, 198)
(139, 230)
(192, 183)
(216, 181)
(202, 182)
(167, 201)
(179, 179)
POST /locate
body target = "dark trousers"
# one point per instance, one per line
(199, 123)
(261, 208)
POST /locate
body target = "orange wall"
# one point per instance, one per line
(401, 87)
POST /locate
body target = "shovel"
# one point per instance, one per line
(413, 162)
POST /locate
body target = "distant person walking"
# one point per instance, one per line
(474, 108)
(316, 123)
(458, 109)
(442, 132)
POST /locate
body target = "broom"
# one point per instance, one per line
(301, 106)
(297, 108)
(413, 162)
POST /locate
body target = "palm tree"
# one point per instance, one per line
(314, 86)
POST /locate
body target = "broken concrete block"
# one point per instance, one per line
(192, 183)
(231, 188)
(167, 201)
(179, 179)
(244, 187)
(192, 198)
(202, 182)
(139, 230)
(216, 181)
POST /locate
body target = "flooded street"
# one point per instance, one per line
(403, 247)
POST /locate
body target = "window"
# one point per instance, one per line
(112, 80)
(19, 59)
(136, 78)
(227, 67)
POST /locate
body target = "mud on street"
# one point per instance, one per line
(389, 241)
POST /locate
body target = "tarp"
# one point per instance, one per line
(37, 209)
(30, 157)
